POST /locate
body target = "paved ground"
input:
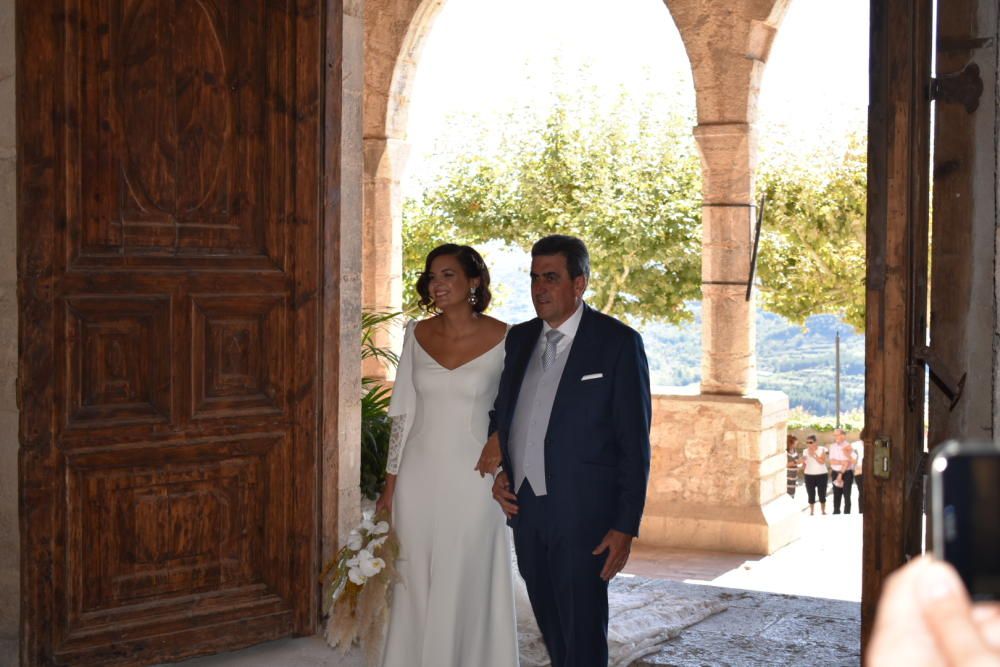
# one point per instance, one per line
(797, 606)
(792, 607)
(763, 629)
(825, 562)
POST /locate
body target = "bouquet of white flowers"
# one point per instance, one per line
(358, 586)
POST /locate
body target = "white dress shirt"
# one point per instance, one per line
(567, 329)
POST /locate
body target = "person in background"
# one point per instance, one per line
(792, 451)
(841, 470)
(858, 448)
(814, 458)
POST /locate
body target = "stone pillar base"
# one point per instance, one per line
(717, 480)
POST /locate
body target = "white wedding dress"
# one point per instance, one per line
(454, 603)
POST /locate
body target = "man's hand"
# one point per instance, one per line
(489, 459)
(925, 618)
(503, 495)
(618, 545)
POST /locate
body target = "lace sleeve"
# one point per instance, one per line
(395, 444)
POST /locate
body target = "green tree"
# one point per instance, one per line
(812, 247)
(626, 182)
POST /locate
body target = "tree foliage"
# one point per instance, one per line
(812, 248)
(627, 184)
(628, 181)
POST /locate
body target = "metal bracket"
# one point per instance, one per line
(965, 87)
(880, 466)
(940, 376)
(756, 243)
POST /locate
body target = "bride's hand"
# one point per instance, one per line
(384, 502)
(489, 459)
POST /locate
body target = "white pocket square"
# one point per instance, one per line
(592, 376)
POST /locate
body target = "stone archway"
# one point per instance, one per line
(395, 32)
(693, 500)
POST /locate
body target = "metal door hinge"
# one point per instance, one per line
(942, 378)
(965, 87)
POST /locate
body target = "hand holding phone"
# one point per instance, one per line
(965, 513)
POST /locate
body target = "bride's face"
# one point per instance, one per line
(448, 284)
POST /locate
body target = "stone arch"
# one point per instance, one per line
(692, 501)
(395, 33)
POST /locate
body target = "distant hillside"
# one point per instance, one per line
(798, 361)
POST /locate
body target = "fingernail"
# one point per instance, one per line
(937, 582)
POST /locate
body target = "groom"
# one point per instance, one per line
(573, 414)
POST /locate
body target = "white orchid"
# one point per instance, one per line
(347, 577)
(369, 564)
(355, 541)
(356, 576)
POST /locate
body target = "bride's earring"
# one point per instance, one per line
(473, 299)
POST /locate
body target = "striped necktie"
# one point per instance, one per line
(552, 338)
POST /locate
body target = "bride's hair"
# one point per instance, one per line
(472, 265)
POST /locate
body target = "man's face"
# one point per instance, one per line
(839, 435)
(555, 295)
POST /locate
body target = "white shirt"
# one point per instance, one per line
(567, 329)
(813, 466)
(839, 458)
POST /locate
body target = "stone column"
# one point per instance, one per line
(382, 276)
(728, 335)
(718, 468)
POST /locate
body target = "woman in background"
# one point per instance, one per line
(814, 458)
(792, 468)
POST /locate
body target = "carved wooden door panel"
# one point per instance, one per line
(169, 230)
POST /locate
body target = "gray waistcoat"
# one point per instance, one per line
(531, 420)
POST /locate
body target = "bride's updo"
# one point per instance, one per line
(472, 265)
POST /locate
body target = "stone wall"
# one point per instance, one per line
(9, 531)
(717, 479)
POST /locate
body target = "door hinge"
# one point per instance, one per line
(940, 375)
(965, 88)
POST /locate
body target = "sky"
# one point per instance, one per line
(491, 58)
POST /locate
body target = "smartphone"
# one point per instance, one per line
(965, 513)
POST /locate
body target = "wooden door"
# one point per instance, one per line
(898, 197)
(169, 233)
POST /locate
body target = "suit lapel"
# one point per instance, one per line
(533, 329)
(580, 351)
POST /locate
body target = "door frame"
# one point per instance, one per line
(896, 286)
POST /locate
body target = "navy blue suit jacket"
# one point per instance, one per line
(597, 443)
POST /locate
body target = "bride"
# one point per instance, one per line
(454, 603)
